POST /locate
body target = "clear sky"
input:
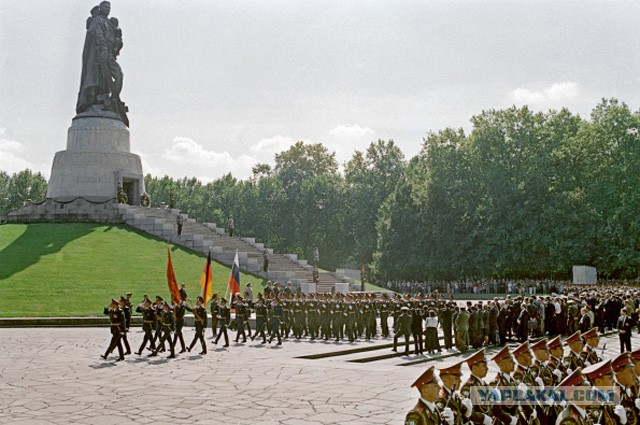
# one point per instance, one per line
(217, 86)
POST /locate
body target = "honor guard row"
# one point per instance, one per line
(529, 367)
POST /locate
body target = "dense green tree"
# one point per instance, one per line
(371, 177)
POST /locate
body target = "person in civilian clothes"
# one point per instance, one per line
(624, 331)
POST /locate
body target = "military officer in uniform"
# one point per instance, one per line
(167, 328)
(402, 327)
(591, 341)
(200, 322)
(601, 377)
(429, 409)
(574, 359)
(126, 310)
(261, 318)
(178, 314)
(116, 317)
(627, 380)
(555, 359)
(214, 315)
(277, 315)
(524, 378)
(573, 414)
(504, 414)
(224, 317)
(451, 378)
(148, 321)
(480, 414)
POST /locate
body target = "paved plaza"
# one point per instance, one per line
(55, 376)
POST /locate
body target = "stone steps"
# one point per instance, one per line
(201, 238)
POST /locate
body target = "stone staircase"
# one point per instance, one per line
(201, 237)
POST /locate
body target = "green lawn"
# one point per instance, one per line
(62, 269)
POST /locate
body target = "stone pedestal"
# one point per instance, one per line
(96, 161)
(585, 275)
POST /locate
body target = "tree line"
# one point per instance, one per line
(524, 194)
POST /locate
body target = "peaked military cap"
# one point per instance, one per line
(427, 377)
(521, 349)
(502, 354)
(621, 361)
(573, 338)
(476, 357)
(597, 370)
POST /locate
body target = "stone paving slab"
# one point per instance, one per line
(55, 376)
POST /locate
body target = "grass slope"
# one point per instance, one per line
(62, 269)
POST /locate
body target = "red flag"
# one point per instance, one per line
(171, 280)
(206, 280)
(234, 278)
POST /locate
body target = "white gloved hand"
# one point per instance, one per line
(448, 416)
(569, 372)
(514, 420)
(637, 402)
(558, 374)
(468, 407)
(522, 387)
(534, 414)
(620, 412)
(495, 396)
(540, 382)
(487, 420)
(562, 403)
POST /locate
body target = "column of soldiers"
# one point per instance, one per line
(543, 364)
(317, 317)
(414, 319)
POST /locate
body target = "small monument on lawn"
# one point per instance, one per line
(98, 159)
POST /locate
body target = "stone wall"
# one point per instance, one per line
(77, 210)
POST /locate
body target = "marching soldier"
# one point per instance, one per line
(158, 323)
(540, 369)
(601, 377)
(626, 380)
(261, 318)
(555, 359)
(167, 328)
(504, 414)
(178, 314)
(591, 340)
(313, 314)
(635, 358)
(224, 317)
(214, 315)
(241, 311)
(451, 378)
(116, 316)
(573, 414)
(429, 410)
(574, 360)
(480, 414)
(148, 322)
(277, 314)
(200, 322)
(127, 323)
(525, 378)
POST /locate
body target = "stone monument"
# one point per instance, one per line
(98, 158)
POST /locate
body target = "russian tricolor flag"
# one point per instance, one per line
(234, 278)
